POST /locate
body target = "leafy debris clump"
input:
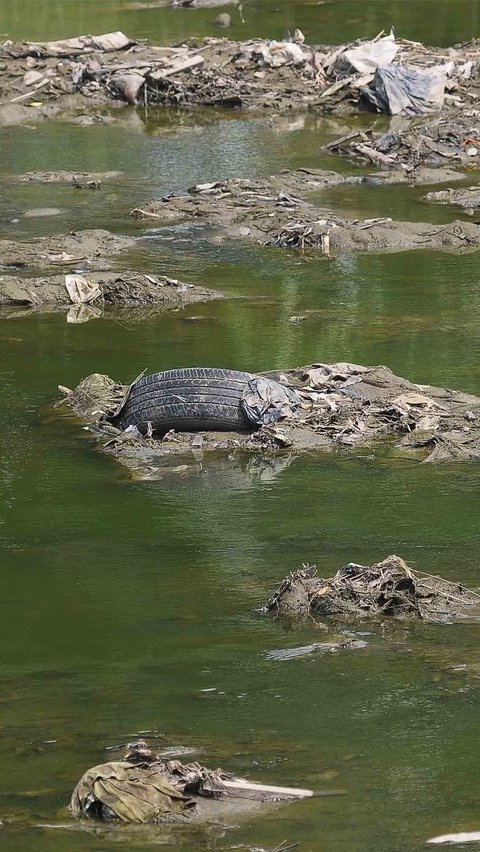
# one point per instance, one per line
(388, 588)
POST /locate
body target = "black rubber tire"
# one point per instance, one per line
(187, 400)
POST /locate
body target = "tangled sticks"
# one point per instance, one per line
(388, 588)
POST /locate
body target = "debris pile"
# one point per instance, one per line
(447, 139)
(278, 211)
(388, 588)
(99, 290)
(468, 199)
(144, 788)
(342, 406)
(395, 76)
(95, 397)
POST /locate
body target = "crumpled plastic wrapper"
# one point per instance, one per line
(266, 401)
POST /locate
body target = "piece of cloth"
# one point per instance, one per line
(138, 794)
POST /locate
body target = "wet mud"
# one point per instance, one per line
(344, 406)
(91, 247)
(125, 289)
(387, 589)
(277, 211)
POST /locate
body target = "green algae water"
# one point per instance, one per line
(127, 607)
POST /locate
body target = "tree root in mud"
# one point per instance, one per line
(387, 589)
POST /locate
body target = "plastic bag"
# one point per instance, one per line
(398, 90)
(265, 401)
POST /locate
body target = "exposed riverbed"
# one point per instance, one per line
(127, 606)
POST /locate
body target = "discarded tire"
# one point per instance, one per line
(187, 400)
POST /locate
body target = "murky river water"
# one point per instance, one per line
(127, 607)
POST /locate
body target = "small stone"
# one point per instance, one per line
(223, 20)
(40, 212)
(32, 77)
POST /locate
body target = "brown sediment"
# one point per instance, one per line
(125, 289)
(89, 246)
(387, 589)
(276, 211)
(344, 407)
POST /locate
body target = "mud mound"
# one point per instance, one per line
(389, 588)
(144, 788)
(279, 211)
(125, 289)
(93, 246)
(342, 406)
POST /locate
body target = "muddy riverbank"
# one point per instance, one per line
(43, 77)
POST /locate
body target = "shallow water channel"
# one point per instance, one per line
(127, 606)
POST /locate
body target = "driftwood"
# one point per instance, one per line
(256, 73)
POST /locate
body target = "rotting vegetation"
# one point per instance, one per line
(102, 289)
(145, 788)
(259, 73)
(387, 589)
(343, 406)
(277, 211)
